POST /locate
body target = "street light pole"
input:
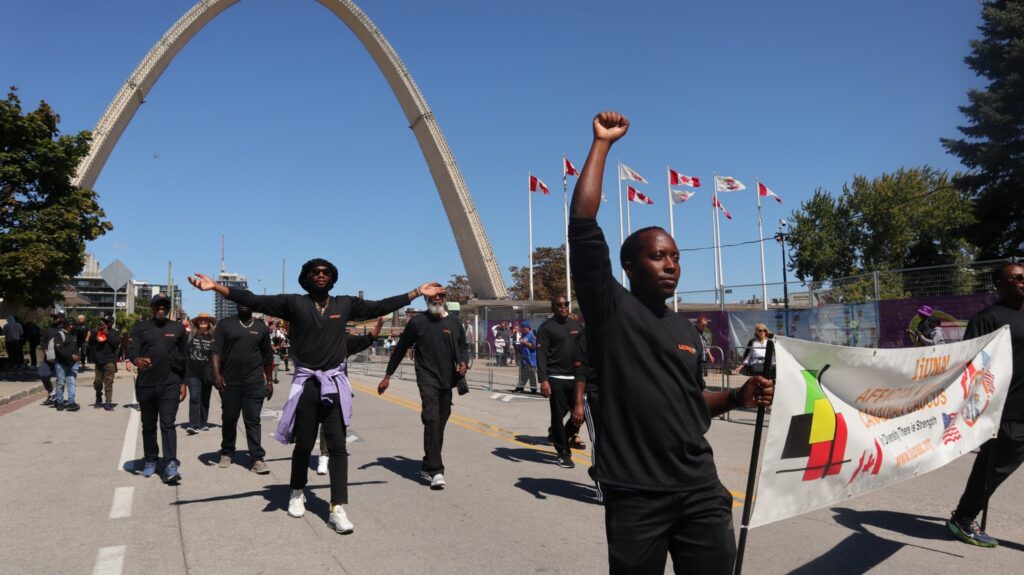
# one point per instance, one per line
(780, 237)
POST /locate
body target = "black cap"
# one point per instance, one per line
(57, 315)
(108, 319)
(159, 298)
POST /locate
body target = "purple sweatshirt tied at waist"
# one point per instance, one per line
(333, 381)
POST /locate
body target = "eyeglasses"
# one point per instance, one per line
(1018, 278)
(320, 272)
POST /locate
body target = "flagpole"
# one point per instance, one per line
(629, 221)
(565, 204)
(721, 263)
(714, 231)
(760, 238)
(671, 228)
(529, 203)
(769, 356)
(622, 272)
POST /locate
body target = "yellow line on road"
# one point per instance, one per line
(491, 430)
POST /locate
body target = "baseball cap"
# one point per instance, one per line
(159, 298)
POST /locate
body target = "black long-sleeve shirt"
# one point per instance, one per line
(440, 344)
(244, 349)
(318, 339)
(653, 412)
(104, 352)
(165, 345)
(989, 320)
(555, 342)
(582, 368)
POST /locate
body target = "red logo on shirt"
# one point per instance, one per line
(169, 335)
(444, 331)
(574, 332)
(254, 332)
(334, 316)
(684, 347)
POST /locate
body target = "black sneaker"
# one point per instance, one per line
(517, 390)
(566, 462)
(60, 406)
(72, 407)
(48, 401)
(969, 531)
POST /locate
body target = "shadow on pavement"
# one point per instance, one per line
(399, 465)
(519, 454)
(862, 551)
(544, 486)
(533, 439)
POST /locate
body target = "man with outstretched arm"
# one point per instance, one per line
(441, 359)
(320, 393)
(661, 489)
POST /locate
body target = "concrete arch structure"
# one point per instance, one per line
(470, 237)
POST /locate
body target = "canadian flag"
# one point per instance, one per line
(677, 179)
(679, 196)
(626, 173)
(718, 204)
(727, 184)
(764, 192)
(568, 169)
(635, 196)
(537, 185)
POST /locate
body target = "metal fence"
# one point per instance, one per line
(946, 280)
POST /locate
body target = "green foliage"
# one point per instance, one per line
(548, 275)
(44, 219)
(459, 289)
(124, 321)
(993, 142)
(912, 218)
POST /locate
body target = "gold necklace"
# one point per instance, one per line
(323, 309)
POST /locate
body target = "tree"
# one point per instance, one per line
(912, 218)
(548, 275)
(993, 143)
(458, 288)
(44, 219)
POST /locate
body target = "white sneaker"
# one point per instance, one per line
(339, 520)
(297, 503)
(321, 466)
(436, 480)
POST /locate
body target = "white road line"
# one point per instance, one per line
(497, 395)
(122, 506)
(109, 561)
(131, 437)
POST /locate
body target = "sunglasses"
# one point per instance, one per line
(320, 272)
(561, 304)
(760, 331)
(1018, 278)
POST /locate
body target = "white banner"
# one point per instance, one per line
(846, 421)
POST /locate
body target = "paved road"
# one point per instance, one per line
(69, 505)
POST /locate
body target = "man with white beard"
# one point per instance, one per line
(441, 356)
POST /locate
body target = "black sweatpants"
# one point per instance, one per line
(247, 399)
(159, 401)
(695, 527)
(310, 413)
(563, 396)
(436, 407)
(1007, 453)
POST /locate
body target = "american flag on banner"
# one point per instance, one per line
(537, 185)
(951, 433)
(625, 173)
(727, 184)
(677, 179)
(635, 196)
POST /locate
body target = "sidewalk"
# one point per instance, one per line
(18, 383)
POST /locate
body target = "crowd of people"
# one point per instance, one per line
(628, 366)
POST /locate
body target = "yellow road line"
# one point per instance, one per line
(492, 431)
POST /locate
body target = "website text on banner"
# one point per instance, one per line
(846, 421)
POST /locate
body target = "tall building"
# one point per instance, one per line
(101, 297)
(144, 291)
(223, 307)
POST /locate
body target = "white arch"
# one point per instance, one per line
(470, 237)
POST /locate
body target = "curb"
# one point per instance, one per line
(24, 393)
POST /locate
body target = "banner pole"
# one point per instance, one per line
(755, 454)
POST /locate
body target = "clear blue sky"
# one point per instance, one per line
(275, 128)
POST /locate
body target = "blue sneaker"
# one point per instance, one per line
(149, 469)
(171, 475)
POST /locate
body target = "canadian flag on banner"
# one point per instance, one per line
(718, 204)
(679, 196)
(569, 169)
(727, 184)
(635, 196)
(764, 192)
(627, 174)
(537, 185)
(677, 179)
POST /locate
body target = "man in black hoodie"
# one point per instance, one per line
(158, 348)
(65, 347)
(661, 489)
(49, 368)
